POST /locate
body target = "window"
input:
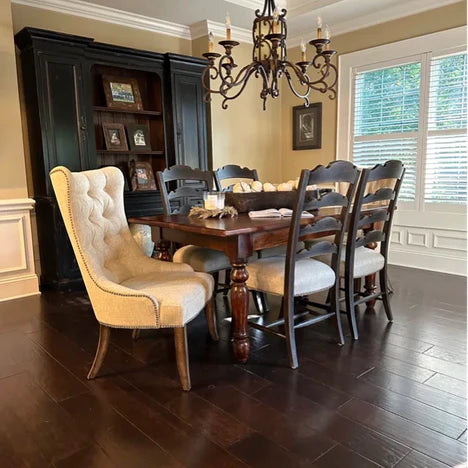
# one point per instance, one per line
(415, 111)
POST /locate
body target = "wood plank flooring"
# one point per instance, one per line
(396, 398)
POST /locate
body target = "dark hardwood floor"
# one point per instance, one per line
(395, 398)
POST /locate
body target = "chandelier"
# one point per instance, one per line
(270, 62)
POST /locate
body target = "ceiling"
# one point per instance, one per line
(341, 15)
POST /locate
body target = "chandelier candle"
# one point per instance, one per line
(270, 62)
(210, 42)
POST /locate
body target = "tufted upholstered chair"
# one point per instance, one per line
(127, 289)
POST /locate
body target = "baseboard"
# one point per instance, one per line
(422, 261)
(15, 288)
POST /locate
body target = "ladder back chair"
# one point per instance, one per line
(127, 289)
(375, 226)
(232, 171)
(298, 275)
(181, 188)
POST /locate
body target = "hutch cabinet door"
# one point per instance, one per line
(189, 120)
(63, 116)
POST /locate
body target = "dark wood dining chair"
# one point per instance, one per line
(181, 188)
(232, 171)
(360, 260)
(299, 274)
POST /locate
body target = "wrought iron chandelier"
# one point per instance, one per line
(270, 62)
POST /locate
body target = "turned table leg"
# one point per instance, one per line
(162, 249)
(240, 310)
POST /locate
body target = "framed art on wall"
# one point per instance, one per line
(307, 127)
(114, 136)
(138, 137)
(122, 93)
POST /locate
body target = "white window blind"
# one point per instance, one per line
(416, 113)
(446, 148)
(386, 119)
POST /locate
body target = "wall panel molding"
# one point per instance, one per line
(17, 272)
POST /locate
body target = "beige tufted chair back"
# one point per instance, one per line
(93, 202)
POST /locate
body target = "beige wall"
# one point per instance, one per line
(12, 167)
(244, 133)
(424, 23)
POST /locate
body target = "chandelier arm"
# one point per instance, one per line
(242, 83)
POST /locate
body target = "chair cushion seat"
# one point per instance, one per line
(202, 259)
(180, 295)
(267, 275)
(366, 261)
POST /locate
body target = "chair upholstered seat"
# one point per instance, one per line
(180, 294)
(366, 261)
(311, 276)
(202, 259)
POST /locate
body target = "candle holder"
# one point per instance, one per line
(328, 54)
(319, 44)
(304, 66)
(228, 45)
(211, 56)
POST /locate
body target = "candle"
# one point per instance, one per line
(210, 42)
(319, 27)
(326, 33)
(275, 20)
(228, 27)
(303, 50)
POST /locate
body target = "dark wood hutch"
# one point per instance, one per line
(66, 106)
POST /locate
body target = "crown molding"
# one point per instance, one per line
(252, 4)
(110, 15)
(203, 28)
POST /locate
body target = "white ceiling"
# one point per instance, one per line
(186, 17)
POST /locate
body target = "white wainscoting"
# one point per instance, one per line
(431, 248)
(17, 273)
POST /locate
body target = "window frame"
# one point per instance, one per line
(419, 49)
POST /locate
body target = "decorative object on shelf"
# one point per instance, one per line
(270, 62)
(114, 135)
(307, 127)
(122, 92)
(205, 213)
(141, 175)
(138, 137)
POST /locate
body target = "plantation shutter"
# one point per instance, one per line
(446, 145)
(386, 119)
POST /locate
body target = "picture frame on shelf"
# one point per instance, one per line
(122, 93)
(307, 127)
(138, 137)
(114, 136)
(141, 176)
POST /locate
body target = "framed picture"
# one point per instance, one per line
(307, 127)
(138, 137)
(141, 176)
(122, 93)
(114, 136)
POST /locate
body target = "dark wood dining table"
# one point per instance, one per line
(238, 238)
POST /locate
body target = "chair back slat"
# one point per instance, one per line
(232, 171)
(376, 222)
(378, 216)
(322, 248)
(182, 187)
(328, 200)
(382, 194)
(301, 227)
(370, 237)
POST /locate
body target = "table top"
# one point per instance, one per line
(227, 226)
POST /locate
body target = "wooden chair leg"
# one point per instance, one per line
(257, 301)
(349, 296)
(227, 281)
(334, 295)
(103, 345)
(216, 281)
(210, 312)
(288, 310)
(357, 289)
(385, 293)
(182, 358)
(136, 334)
(264, 300)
